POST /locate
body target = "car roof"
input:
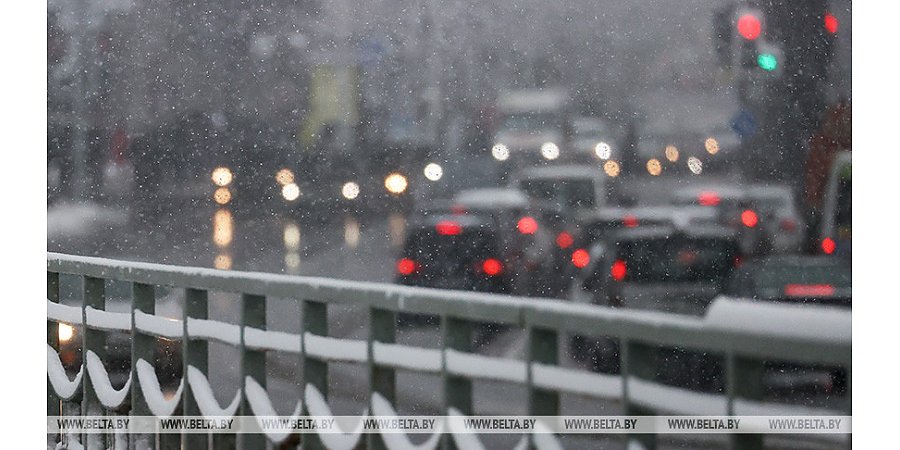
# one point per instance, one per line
(663, 231)
(491, 198)
(560, 171)
(675, 213)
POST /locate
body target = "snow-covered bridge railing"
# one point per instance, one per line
(745, 335)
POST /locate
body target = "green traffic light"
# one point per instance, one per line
(767, 61)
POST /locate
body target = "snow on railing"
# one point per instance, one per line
(731, 330)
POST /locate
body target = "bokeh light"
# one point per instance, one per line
(222, 176)
(602, 150)
(654, 167)
(350, 190)
(695, 165)
(434, 172)
(672, 153)
(500, 152)
(712, 146)
(550, 150)
(222, 196)
(611, 168)
(395, 183)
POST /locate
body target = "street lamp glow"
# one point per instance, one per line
(602, 150)
(434, 172)
(712, 146)
(350, 190)
(611, 168)
(500, 152)
(395, 183)
(550, 150)
(284, 177)
(672, 153)
(222, 176)
(290, 192)
(695, 165)
(65, 332)
(654, 167)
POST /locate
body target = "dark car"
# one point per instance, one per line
(454, 252)
(660, 268)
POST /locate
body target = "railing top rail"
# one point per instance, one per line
(645, 326)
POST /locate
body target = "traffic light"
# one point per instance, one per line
(749, 26)
(769, 57)
(831, 23)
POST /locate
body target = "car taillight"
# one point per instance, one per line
(448, 228)
(788, 225)
(564, 240)
(738, 261)
(458, 210)
(527, 225)
(492, 267)
(749, 218)
(618, 270)
(809, 290)
(407, 266)
(708, 198)
(630, 221)
(581, 258)
(828, 245)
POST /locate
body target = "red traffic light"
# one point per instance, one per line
(749, 26)
(831, 23)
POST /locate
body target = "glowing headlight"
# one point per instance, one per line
(602, 150)
(500, 152)
(712, 146)
(350, 190)
(695, 165)
(290, 192)
(611, 168)
(284, 177)
(654, 167)
(395, 183)
(550, 150)
(434, 172)
(672, 153)
(65, 332)
(222, 195)
(222, 176)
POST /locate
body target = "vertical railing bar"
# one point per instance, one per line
(543, 348)
(94, 295)
(143, 298)
(457, 335)
(746, 382)
(253, 362)
(315, 371)
(637, 363)
(194, 354)
(54, 403)
(382, 328)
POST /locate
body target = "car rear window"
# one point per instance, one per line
(573, 192)
(678, 259)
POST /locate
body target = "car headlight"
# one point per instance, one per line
(549, 150)
(65, 332)
(602, 150)
(290, 192)
(434, 172)
(395, 183)
(222, 176)
(284, 177)
(350, 190)
(500, 152)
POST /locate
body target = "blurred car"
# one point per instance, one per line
(777, 215)
(594, 139)
(575, 188)
(660, 268)
(532, 126)
(793, 279)
(835, 234)
(801, 280)
(454, 252)
(524, 237)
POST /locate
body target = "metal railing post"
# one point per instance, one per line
(195, 354)
(543, 348)
(382, 328)
(143, 299)
(744, 380)
(315, 371)
(637, 362)
(457, 335)
(53, 402)
(253, 362)
(94, 290)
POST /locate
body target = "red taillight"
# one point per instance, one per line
(448, 228)
(749, 218)
(564, 240)
(828, 245)
(618, 270)
(527, 225)
(407, 266)
(788, 225)
(581, 258)
(809, 290)
(708, 198)
(630, 221)
(738, 261)
(492, 267)
(458, 210)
